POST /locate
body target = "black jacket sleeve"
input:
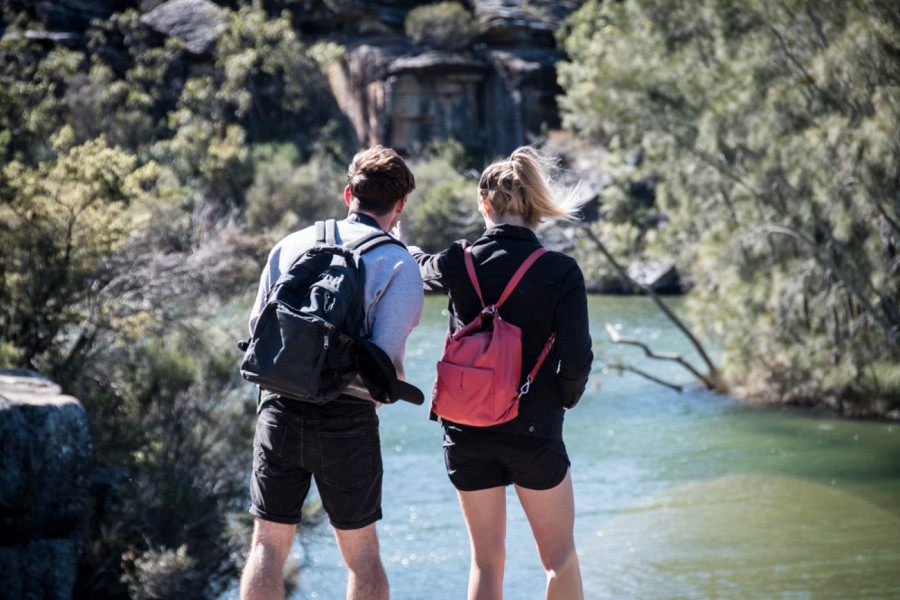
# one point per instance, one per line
(433, 267)
(573, 339)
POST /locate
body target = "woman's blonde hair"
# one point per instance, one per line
(519, 186)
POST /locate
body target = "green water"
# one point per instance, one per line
(678, 496)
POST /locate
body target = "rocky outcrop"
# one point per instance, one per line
(197, 23)
(517, 23)
(46, 462)
(494, 100)
(492, 97)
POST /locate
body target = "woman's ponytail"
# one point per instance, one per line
(519, 187)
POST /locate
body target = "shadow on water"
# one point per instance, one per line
(678, 496)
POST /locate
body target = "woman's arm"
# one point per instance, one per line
(573, 339)
(431, 267)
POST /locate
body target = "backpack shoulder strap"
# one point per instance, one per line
(320, 232)
(517, 276)
(513, 282)
(326, 233)
(470, 269)
(372, 241)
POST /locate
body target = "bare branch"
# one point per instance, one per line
(713, 371)
(674, 386)
(617, 339)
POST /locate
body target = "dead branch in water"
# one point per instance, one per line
(644, 374)
(617, 339)
(709, 381)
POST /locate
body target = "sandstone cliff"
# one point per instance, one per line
(492, 95)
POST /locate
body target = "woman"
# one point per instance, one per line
(528, 452)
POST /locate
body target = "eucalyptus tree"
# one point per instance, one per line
(772, 128)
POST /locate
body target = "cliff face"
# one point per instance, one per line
(492, 100)
(492, 95)
(46, 462)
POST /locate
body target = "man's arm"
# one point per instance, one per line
(262, 293)
(397, 311)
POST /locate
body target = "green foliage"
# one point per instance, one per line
(442, 209)
(124, 170)
(287, 195)
(61, 221)
(80, 300)
(444, 25)
(261, 85)
(32, 83)
(770, 128)
(269, 82)
(174, 479)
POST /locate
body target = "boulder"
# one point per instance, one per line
(659, 276)
(46, 461)
(197, 23)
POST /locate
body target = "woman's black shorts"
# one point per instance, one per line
(479, 459)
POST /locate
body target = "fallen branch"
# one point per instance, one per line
(654, 379)
(713, 374)
(617, 339)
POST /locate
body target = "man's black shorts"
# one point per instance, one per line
(337, 443)
(479, 459)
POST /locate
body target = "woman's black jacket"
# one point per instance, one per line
(550, 298)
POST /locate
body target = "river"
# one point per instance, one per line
(678, 496)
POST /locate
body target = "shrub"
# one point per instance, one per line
(286, 195)
(444, 25)
(442, 209)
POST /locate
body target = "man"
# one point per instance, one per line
(338, 442)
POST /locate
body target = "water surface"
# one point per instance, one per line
(678, 496)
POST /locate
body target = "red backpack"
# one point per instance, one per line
(479, 373)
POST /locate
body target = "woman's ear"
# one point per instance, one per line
(347, 195)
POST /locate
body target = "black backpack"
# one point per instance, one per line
(305, 345)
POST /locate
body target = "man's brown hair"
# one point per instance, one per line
(378, 177)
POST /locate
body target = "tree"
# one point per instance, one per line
(443, 209)
(770, 125)
(123, 170)
(61, 221)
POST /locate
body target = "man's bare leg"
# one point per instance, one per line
(263, 576)
(366, 579)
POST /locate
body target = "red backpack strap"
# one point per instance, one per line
(527, 385)
(517, 276)
(470, 269)
(513, 282)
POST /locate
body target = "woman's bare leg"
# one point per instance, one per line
(551, 514)
(485, 515)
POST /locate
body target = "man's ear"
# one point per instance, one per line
(483, 205)
(401, 204)
(347, 195)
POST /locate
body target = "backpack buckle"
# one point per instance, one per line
(525, 386)
(489, 310)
